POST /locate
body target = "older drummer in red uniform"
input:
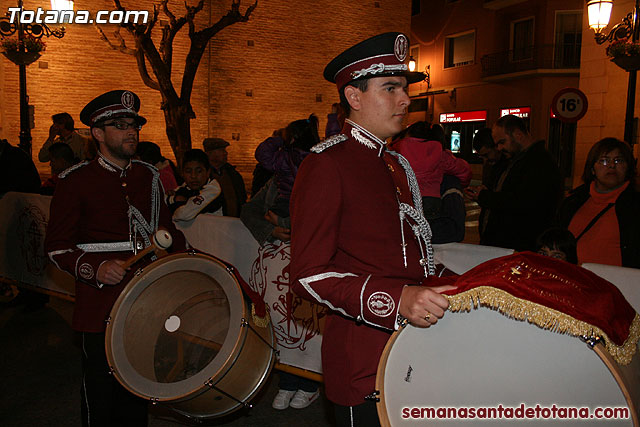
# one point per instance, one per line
(103, 212)
(360, 243)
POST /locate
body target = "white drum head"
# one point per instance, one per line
(484, 359)
(174, 327)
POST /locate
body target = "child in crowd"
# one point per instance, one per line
(558, 243)
(198, 194)
(282, 154)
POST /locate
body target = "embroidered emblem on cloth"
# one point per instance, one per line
(86, 271)
(329, 142)
(400, 47)
(128, 100)
(381, 304)
(198, 200)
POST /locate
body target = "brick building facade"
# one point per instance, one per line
(256, 76)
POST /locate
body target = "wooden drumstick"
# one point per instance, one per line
(161, 240)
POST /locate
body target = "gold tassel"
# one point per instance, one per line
(261, 322)
(544, 317)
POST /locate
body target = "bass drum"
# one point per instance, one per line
(182, 333)
(484, 359)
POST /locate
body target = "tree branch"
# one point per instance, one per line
(122, 47)
(144, 72)
(230, 18)
(200, 39)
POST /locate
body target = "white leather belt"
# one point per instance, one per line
(106, 247)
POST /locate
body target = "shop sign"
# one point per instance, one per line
(522, 112)
(464, 116)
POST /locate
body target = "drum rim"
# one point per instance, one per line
(155, 391)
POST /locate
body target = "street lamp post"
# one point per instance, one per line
(599, 13)
(23, 58)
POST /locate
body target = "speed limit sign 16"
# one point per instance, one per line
(569, 104)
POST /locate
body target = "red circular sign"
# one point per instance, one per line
(569, 104)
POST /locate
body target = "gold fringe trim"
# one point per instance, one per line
(544, 317)
(261, 322)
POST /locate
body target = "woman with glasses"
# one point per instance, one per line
(603, 213)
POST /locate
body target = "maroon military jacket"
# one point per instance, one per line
(350, 240)
(91, 205)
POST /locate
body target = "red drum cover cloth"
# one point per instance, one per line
(555, 284)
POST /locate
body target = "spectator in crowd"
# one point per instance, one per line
(358, 239)
(494, 162)
(199, 193)
(422, 145)
(525, 199)
(335, 120)
(17, 170)
(603, 213)
(293, 390)
(283, 156)
(102, 212)
(255, 212)
(18, 173)
(63, 130)
(149, 152)
(234, 193)
(558, 243)
(62, 158)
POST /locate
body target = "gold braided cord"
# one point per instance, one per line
(544, 317)
(261, 322)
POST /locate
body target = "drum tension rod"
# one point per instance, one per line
(246, 324)
(373, 397)
(209, 384)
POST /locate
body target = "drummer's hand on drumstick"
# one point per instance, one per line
(423, 306)
(111, 272)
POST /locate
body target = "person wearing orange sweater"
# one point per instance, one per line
(603, 212)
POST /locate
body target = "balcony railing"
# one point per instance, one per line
(531, 58)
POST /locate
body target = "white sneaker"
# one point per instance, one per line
(302, 399)
(282, 399)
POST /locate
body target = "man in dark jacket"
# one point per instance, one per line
(231, 182)
(527, 194)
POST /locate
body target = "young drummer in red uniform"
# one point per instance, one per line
(102, 211)
(359, 239)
